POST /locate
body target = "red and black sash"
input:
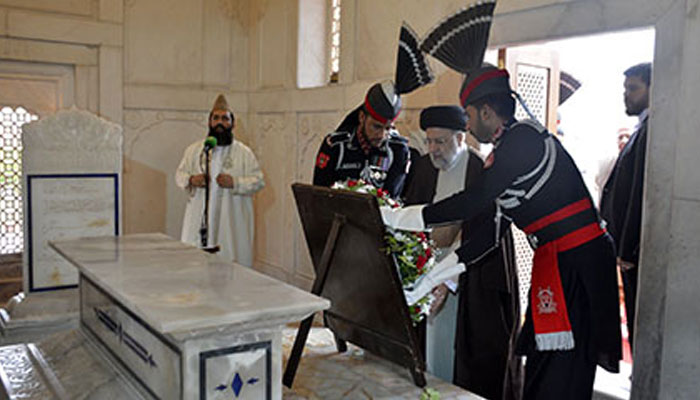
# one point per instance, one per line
(562, 230)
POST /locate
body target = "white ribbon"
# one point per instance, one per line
(441, 272)
(405, 218)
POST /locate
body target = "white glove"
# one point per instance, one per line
(405, 218)
(443, 271)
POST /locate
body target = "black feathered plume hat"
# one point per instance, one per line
(383, 100)
(460, 41)
(484, 81)
(567, 86)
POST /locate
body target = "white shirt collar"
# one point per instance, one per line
(641, 117)
(459, 160)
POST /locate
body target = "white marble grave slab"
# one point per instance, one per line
(180, 290)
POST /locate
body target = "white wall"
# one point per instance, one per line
(156, 66)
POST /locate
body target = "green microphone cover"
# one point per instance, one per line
(210, 142)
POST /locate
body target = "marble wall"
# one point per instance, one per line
(157, 67)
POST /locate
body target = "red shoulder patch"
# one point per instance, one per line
(322, 160)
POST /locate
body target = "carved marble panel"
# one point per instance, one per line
(312, 127)
(376, 21)
(274, 48)
(157, 140)
(408, 125)
(216, 42)
(272, 146)
(19, 379)
(72, 164)
(72, 141)
(163, 41)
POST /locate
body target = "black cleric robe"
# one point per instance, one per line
(532, 177)
(488, 311)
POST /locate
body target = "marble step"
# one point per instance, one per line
(63, 366)
(24, 374)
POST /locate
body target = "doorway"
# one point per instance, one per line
(587, 123)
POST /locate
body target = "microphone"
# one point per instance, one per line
(209, 143)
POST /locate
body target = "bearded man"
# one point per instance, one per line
(234, 176)
(469, 340)
(365, 145)
(621, 201)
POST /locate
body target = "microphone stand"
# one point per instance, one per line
(204, 228)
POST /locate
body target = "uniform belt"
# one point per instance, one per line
(568, 221)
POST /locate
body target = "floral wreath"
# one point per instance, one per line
(414, 252)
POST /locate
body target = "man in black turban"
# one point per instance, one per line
(482, 320)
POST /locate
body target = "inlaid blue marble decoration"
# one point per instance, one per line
(236, 385)
(239, 372)
(153, 359)
(124, 337)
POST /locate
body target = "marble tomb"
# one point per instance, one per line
(174, 321)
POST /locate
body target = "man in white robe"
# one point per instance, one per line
(235, 177)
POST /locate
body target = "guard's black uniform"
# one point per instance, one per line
(341, 157)
(532, 177)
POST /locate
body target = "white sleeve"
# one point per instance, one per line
(184, 170)
(251, 179)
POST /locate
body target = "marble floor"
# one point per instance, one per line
(356, 374)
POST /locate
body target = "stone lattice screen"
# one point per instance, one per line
(11, 234)
(532, 85)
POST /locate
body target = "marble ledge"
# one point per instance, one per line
(31, 25)
(180, 290)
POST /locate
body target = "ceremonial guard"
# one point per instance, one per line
(366, 145)
(573, 321)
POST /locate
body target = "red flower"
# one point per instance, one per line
(428, 253)
(416, 309)
(421, 262)
(421, 235)
(352, 183)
